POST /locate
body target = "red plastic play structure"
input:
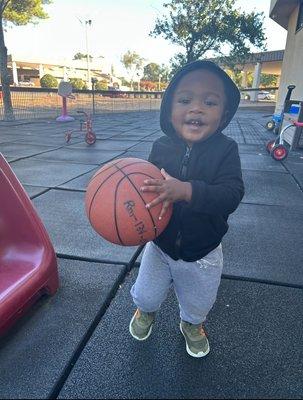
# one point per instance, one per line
(28, 265)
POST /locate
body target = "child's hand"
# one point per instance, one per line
(170, 190)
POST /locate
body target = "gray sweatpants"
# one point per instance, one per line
(195, 283)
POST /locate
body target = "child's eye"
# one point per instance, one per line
(210, 103)
(184, 101)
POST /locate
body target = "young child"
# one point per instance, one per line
(203, 180)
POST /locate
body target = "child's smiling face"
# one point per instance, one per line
(198, 106)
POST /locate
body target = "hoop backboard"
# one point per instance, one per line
(64, 89)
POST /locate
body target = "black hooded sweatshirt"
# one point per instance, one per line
(213, 168)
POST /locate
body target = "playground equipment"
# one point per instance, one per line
(275, 123)
(277, 148)
(290, 128)
(65, 91)
(28, 266)
(90, 136)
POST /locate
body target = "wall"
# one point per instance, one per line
(292, 62)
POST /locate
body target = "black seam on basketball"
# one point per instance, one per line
(118, 169)
(115, 165)
(142, 173)
(115, 212)
(115, 203)
(99, 187)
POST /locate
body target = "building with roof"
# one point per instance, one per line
(266, 62)
(28, 72)
(289, 15)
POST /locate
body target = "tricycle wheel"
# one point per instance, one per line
(279, 152)
(270, 145)
(90, 138)
(270, 125)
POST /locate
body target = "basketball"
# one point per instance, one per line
(115, 206)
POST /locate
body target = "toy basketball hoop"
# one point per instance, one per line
(65, 91)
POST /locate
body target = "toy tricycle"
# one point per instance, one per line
(276, 121)
(90, 136)
(276, 147)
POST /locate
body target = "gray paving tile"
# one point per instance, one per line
(265, 242)
(294, 165)
(299, 179)
(143, 146)
(63, 213)
(252, 148)
(7, 138)
(136, 154)
(86, 155)
(39, 173)
(33, 191)
(271, 188)
(260, 163)
(18, 150)
(51, 141)
(129, 137)
(249, 350)
(81, 182)
(112, 145)
(39, 347)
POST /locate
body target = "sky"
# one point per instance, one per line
(117, 26)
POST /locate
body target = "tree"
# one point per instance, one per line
(152, 72)
(17, 12)
(48, 81)
(78, 83)
(133, 63)
(268, 80)
(102, 85)
(81, 56)
(200, 26)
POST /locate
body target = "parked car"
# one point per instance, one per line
(114, 92)
(26, 83)
(262, 95)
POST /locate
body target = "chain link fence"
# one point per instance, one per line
(32, 103)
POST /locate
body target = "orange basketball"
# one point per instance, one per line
(115, 206)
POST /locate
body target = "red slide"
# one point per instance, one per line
(28, 264)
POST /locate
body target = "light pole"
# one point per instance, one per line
(94, 81)
(88, 22)
(160, 76)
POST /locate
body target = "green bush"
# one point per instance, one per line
(78, 83)
(101, 85)
(48, 81)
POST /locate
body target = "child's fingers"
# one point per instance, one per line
(154, 202)
(165, 174)
(153, 181)
(157, 189)
(164, 209)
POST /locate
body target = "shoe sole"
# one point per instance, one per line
(196, 355)
(136, 337)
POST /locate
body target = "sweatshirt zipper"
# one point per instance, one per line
(184, 163)
(183, 174)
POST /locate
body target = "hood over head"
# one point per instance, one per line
(231, 92)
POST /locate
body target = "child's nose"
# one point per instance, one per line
(197, 107)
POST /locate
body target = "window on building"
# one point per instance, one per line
(300, 17)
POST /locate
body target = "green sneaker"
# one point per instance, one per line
(141, 324)
(196, 341)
